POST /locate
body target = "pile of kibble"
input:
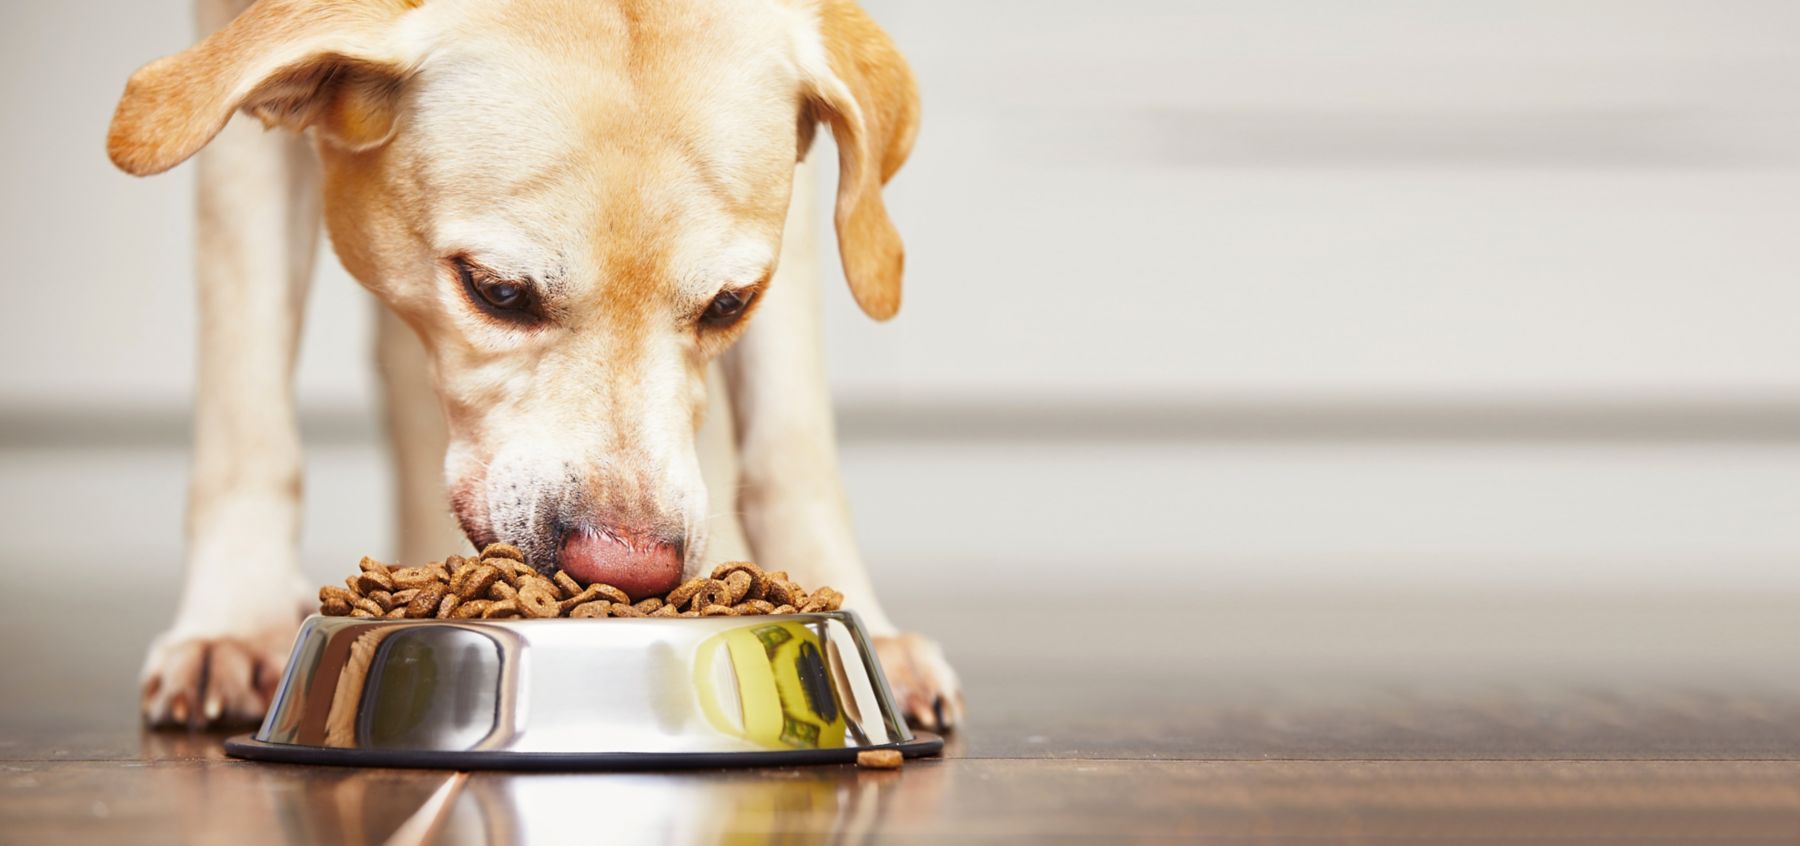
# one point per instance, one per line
(499, 584)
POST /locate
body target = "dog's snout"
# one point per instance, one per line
(641, 563)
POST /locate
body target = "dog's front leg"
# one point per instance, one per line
(791, 497)
(243, 594)
(417, 438)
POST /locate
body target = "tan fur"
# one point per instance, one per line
(875, 129)
(627, 161)
(276, 60)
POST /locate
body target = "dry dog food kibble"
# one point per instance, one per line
(881, 759)
(499, 584)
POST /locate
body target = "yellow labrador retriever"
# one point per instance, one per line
(577, 206)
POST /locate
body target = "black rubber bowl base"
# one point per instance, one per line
(249, 748)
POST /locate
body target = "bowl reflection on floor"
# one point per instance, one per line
(811, 805)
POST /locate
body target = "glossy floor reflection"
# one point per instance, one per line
(1252, 718)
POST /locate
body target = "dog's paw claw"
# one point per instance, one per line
(923, 682)
(202, 681)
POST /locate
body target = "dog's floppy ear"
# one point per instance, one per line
(331, 65)
(865, 91)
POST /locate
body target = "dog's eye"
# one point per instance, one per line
(726, 307)
(512, 300)
(503, 295)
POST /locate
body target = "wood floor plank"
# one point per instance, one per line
(1267, 719)
(1099, 801)
(1404, 677)
(121, 739)
(189, 801)
(969, 800)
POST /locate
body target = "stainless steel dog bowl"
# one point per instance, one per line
(567, 694)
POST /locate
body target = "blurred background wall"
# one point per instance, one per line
(1494, 294)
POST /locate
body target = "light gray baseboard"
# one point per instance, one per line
(938, 421)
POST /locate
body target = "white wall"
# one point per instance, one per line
(101, 263)
(1147, 211)
(1392, 199)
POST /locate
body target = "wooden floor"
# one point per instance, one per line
(1255, 718)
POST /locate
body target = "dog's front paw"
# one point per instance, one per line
(201, 680)
(929, 694)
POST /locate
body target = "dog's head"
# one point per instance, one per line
(576, 204)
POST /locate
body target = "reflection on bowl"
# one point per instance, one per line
(544, 693)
